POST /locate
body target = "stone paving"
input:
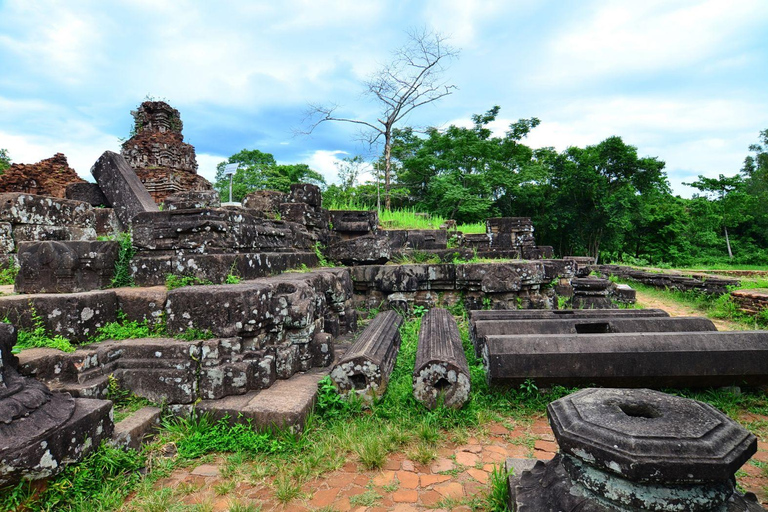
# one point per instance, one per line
(456, 480)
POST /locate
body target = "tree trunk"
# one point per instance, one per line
(387, 169)
(728, 242)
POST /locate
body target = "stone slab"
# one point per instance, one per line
(86, 192)
(122, 187)
(131, 432)
(286, 404)
(691, 359)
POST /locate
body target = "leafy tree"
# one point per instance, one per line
(462, 173)
(729, 197)
(260, 171)
(412, 79)
(5, 160)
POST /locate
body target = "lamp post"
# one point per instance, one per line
(230, 170)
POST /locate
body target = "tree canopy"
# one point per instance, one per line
(260, 171)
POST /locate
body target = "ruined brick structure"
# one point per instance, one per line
(164, 163)
(48, 177)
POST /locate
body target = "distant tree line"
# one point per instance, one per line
(602, 200)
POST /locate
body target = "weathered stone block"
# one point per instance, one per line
(65, 267)
(122, 187)
(142, 304)
(7, 245)
(133, 430)
(499, 277)
(76, 316)
(354, 221)
(18, 208)
(306, 193)
(40, 232)
(367, 364)
(265, 202)
(192, 199)
(368, 249)
(86, 192)
(263, 311)
(107, 223)
(441, 373)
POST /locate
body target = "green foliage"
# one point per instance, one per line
(124, 401)
(233, 279)
(39, 337)
(322, 261)
(122, 275)
(5, 161)
(199, 434)
(173, 281)
(124, 329)
(498, 492)
(8, 274)
(260, 171)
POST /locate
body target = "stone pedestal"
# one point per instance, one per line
(636, 450)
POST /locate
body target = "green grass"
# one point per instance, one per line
(8, 274)
(720, 307)
(173, 281)
(39, 337)
(409, 218)
(122, 275)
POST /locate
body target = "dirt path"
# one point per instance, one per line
(677, 309)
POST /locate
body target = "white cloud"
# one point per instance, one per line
(325, 162)
(206, 165)
(637, 37)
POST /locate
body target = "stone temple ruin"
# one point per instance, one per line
(273, 334)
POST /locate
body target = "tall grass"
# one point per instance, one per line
(408, 218)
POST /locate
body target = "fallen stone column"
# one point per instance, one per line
(441, 373)
(367, 365)
(600, 325)
(688, 359)
(530, 314)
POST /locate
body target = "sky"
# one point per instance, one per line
(681, 80)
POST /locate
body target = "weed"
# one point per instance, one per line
(372, 452)
(122, 275)
(124, 329)
(173, 281)
(366, 499)
(225, 487)
(419, 311)
(286, 488)
(423, 454)
(487, 303)
(38, 337)
(8, 274)
(232, 279)
(124, 401)
(194, 334)
(239, 506)
(322, 261)
(498, 491)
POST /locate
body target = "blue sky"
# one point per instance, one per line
(682, 80)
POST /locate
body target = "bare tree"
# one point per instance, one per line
(413, 78)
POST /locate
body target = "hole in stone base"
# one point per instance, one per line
(556, 312)
(640, 410)
(592, 328)
(442, 384)
(358, 381)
